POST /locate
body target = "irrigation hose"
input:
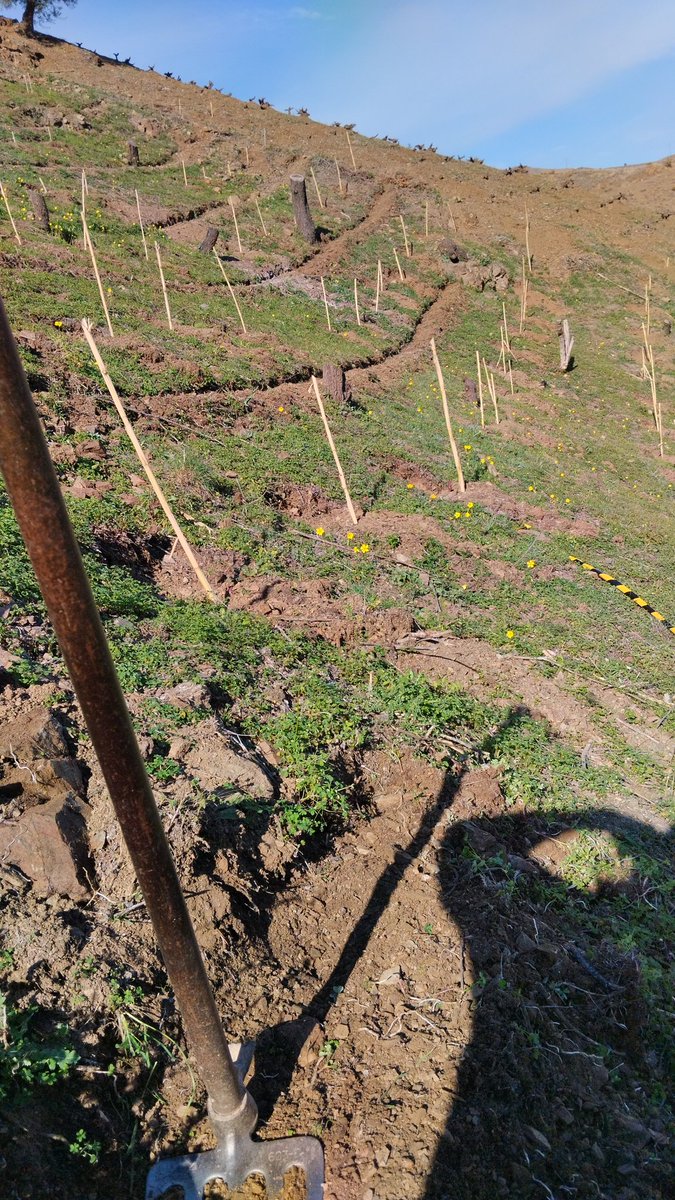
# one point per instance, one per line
(625, 591)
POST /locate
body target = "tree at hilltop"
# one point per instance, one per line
(46, 9)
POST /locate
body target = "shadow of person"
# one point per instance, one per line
(553, 1090)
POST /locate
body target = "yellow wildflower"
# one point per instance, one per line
(510, 634)
(320, 531)
(351, 536)
(531, 563)
(365, 548)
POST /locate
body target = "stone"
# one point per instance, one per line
(48, 844)
(40, 734)
(452, 250)
(219, 769)
(186, 695)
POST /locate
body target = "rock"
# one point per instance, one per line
(538, 1137)
(219, 769)
(186, 695)
(452, 250)
(342, 1032)
(38, 735)
(145, 125)
(48, 844)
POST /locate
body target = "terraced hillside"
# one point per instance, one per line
(416, 769)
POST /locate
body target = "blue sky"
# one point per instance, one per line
(579, 82)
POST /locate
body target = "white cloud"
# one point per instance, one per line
(306, 14)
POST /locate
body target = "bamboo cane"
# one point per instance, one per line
(452, 218)
(377, 286)
(492, 390)
(86, 326)
(140, 222)
(349, 143)
(318, 193)
(356, 302)
(211, 106)
(185, 178)
(43, 186)
(398, 264)
(405, 235)
(527, 240)
(426, 218)
(647, 308)
(339, 176)
(161, 275)
(325, 304)
(3, 193)
(336, 457)
(480, 391)
(236, 224)
(507, 342)
(257, 204)
(104, 303)
(231, 291)
(523, 298)
(84, 188)
(248, 161)
(448, 424)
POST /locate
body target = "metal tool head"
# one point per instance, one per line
(237, 1155)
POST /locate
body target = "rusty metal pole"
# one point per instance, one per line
(41, 512)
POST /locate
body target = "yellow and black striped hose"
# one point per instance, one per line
(625, 591)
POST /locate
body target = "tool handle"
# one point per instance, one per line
(41, 512)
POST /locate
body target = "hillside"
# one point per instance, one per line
(417, 769)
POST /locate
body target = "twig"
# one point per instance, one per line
(9, 213)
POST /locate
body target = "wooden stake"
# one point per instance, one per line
(331, 443)
(248, 161)
(337, 168)
(14, 137)
(264, 137)
(426, 218)
(452, 218)
(448, 423)
(647, 308)
(140, 222)
(398, 264)
(152, 478)
(492, 390)
(43, 188)
(229, 286)
(480, 391)
(318, 193)
(260, 216)
(356, 302)
(9, 213)
(85, 192)
(523, 298)
(506, 330)
(511, 376)
(405, 236)
(349, 143)
(185, 179)
(527, 240)
(236, 225)
(211, 106)
(161, 275)
(377, 286)
(325, 304)
(101, 293)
